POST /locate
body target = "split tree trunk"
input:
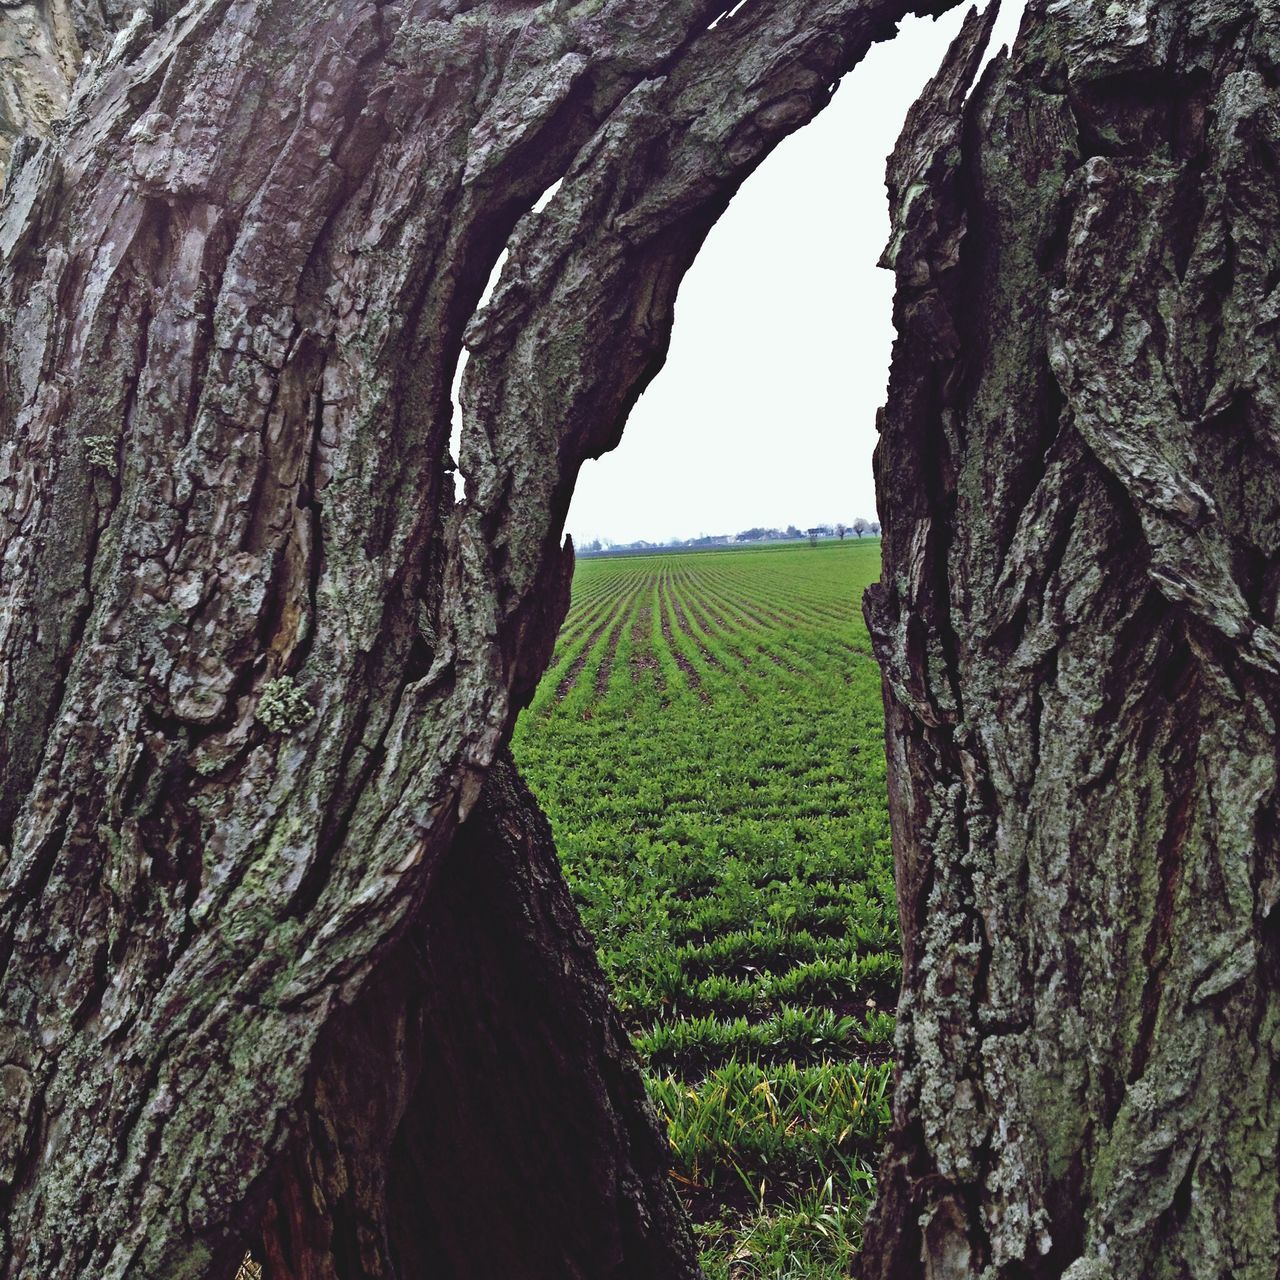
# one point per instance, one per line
(256, 663)
(1079, 476)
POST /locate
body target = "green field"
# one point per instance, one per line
(708, 743)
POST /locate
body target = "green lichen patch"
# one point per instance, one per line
(100, 451)
(282, 706)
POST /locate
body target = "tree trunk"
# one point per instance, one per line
(514, 1139)
(260, 982)
(1078, 473)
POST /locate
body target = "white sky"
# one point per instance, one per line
(765, 411)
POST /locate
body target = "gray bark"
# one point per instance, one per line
(1078, 472)
(39, 58)
(43, 44)
(478, 1111)
(256, 663)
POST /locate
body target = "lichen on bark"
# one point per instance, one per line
(1077, 624)
(247, 257)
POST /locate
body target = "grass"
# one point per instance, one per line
(708, 744)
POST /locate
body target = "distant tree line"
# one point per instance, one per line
(860, 526)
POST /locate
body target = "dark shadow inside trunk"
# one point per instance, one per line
(493, 1015)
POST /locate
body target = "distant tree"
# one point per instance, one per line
(861, 526)
(793, 532)
(841, 530)
(875, 528)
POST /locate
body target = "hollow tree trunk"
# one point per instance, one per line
(1078, 474)
(256, 663)
(478, 1112)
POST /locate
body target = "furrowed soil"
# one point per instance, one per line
(709, 746)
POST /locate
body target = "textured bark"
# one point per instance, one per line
(1079, 473)
(255, 661)
(493, 1022)
(42, 46)
(39, 54)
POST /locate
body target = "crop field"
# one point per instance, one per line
(708, 744)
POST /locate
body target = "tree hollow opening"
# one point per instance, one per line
(708, 739)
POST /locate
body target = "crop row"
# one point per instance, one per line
(709, 746)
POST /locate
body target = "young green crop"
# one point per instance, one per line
(708, 744)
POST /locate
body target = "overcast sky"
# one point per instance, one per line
(765, 411)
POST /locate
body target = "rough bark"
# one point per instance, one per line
(255, 662)
(1078, 473)
(493, 1024)
(42, 46)
(39, 56)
